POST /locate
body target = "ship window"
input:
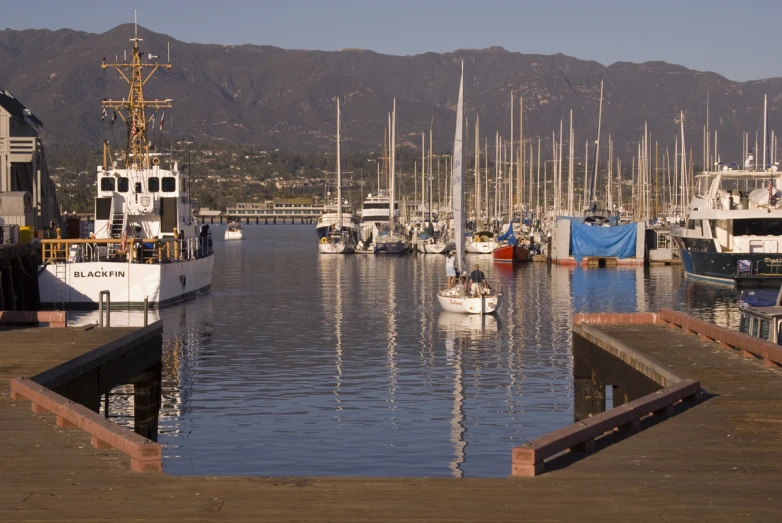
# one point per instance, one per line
(744, 325)
(153, 184)
(690, 224)
(138, 187)
(757, 227)
(764, 329)
(755, 327)
(779, 334)
(122, 184)
(169, 184)
(107, 184)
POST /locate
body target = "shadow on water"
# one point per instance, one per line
(601, 382)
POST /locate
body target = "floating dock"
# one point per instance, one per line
(712, 456)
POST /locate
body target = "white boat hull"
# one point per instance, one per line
(335, 248)
(480, 247)
(127, 283)
(233, 235)
(436, 248)
(463, 304)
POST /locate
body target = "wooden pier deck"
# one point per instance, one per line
(714, 461)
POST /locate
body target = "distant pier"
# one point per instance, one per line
(693, 437)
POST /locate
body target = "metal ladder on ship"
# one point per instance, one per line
(61, 273)
(119, 221)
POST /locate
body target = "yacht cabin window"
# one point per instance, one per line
(764, 329)
(169, 184)
(107, 183)
(122, 184)
(153, 184)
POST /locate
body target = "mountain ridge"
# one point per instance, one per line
(270, 97)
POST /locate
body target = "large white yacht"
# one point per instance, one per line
(733, 227)
(146, 244)
(374, 215)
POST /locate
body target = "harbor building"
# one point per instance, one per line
(27, 193)
(288, 208)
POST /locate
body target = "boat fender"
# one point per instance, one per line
(324, 240)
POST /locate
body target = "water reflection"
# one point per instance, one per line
(603, 381)
(462, 333)
(302, 364)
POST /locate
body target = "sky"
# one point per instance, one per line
(731, 38)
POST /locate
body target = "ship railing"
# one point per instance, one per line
(133, 250)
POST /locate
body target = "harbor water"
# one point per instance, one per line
(301, 364)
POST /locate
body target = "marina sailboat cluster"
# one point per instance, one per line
(504, 206)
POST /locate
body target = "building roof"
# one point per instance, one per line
(299, 201)
(16, 108)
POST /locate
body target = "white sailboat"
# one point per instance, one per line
(340, 240)
(457, 299)
(390, 240)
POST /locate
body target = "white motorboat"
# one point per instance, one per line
(233, 231)
(457, 299)
(336, 236)
(146, 244)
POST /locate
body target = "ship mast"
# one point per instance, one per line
(133, 110)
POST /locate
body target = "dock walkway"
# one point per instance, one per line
(714, 461)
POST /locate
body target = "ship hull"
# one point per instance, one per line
(511, 253)
(469, 305)
(702, 262)
(128, 283)
(392, 248)
(480, 247)
(335, 248)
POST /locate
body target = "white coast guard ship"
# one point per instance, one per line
(146, 244)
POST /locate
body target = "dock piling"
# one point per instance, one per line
(146, 311)
(108, 308)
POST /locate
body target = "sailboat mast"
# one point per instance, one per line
(339, 175)
(597, 144)
(430, 173)
(477, 173)
(423, 175)
(765, 127)
(510, 167)
(570, 169)
(458, 189)
(391, 220)
(538, 184)
(520, 161)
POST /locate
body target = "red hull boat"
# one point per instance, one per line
(511, 253)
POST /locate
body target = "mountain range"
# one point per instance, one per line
(268, 97)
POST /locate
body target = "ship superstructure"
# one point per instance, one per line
(147, 244)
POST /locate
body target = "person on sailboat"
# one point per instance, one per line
(477, 279)
(450, 268)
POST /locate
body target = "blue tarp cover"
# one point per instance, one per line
(605, 242)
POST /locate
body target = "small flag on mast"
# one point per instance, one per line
(103, 116)
(113, 116)
(133, 128)
(163, 117)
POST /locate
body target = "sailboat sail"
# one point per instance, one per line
(458, 191)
